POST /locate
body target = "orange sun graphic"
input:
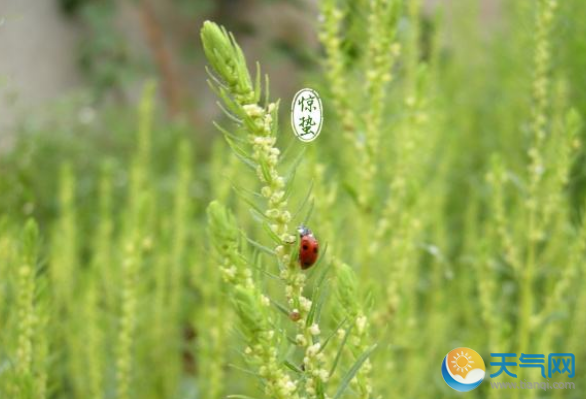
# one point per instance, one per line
(463, 360)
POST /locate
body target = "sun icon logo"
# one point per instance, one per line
(462, 362)
(463, 369)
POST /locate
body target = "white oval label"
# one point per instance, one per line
(306, 115)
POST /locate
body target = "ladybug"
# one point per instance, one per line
(308, 248)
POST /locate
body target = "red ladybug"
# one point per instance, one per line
(308, 248)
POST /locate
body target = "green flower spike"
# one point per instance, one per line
(225, 56)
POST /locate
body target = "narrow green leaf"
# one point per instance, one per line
(332, 334)
(259, 217)
(285, 153)
(305, 199)
(246, 191)
(242, 195)
(341, 348)
(265, 170)
(280, 307)
(229, 114)
(316, 297)
(309, 212)
(275, 116)
(235, 367)
(261, 247)
(221, 92)
(295, 163)
(268, 274)
(227, 133)
(245, 161)
(292, 367)
(319, 389)
(240, 154)
(321, 301)
(257, 88)
(289, 186)
(267, 98)
(272, 234)
(231, 104)
(214, 79)
(353, 370)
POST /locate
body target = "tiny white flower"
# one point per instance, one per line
(290, 386)
(277, 196)
(272, 213)
(305, 303)
(288, 238)
(301, 324)
(266, 191)
(313, 349)
(314, 329)
(252, 110)
(300, 339)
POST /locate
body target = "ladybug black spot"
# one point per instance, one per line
(305, 247)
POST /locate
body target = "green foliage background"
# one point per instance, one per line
(449, 178)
